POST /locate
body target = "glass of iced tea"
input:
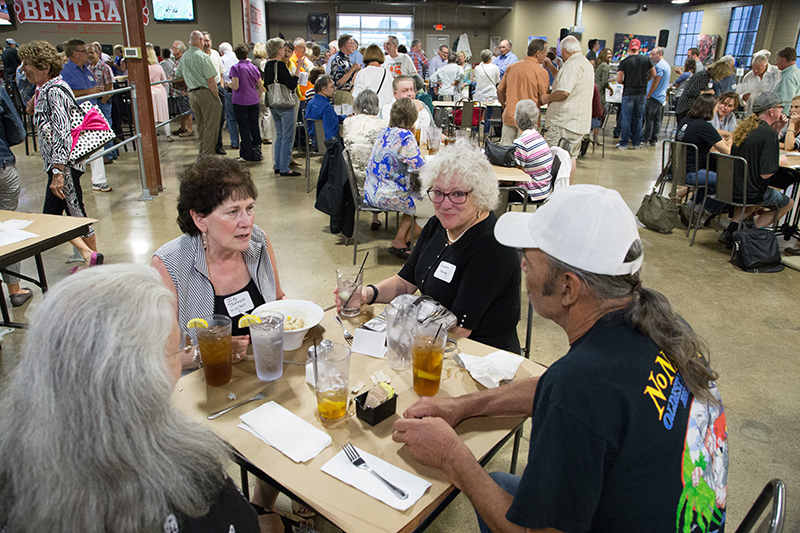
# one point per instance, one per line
(332, 380)
(427, 355)
(214, 343)
(416, 135)
(434, 140)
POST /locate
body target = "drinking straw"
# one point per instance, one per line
(435, 337)
(360, 270)
(316, 372)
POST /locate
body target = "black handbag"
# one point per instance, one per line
(757, 250)
(502, 156)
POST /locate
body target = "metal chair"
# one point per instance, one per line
(496, 120)
(672, 100)
(678, 152)
(727, 190)
(467, 110)
(319, 133)
(774, 491)
(606, 114)
(359, 203)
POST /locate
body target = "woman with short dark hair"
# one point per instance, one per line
(222, 253)
(247, 86)
(389, 182)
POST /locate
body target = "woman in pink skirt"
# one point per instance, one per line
(159, 92)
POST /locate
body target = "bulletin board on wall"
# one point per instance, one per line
(319, 27)
(623, 40)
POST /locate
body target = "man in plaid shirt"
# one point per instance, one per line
(105, 79)
(179, 93)
(418, 57)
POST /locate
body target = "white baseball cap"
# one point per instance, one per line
(585, 226)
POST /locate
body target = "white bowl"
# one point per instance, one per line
(310, 312)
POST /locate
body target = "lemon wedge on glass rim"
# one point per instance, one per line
(246, 320)
(197, 323)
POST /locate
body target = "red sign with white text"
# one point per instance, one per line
(72, 11)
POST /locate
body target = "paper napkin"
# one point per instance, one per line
(489, 371)
(292, 436)
(343, 470)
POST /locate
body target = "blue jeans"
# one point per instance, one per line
(653, 112)
(509, 483)
(284, 136)
(698, 179)
(230, 116)
(105, 108)
(632, 115)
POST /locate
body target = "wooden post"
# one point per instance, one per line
(139, 77)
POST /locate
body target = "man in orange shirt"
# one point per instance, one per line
(526, 79)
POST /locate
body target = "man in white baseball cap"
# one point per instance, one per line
(627, 426)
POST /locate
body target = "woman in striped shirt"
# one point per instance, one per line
(532, 153)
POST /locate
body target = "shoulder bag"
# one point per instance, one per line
(88, 127)
(278, 94)
(502, 156)
(659, 213)
(756, 250)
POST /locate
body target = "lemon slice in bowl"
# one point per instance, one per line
(197, 323)
(246, 320)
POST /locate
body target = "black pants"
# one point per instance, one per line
(72, 205)
(784, 177)
(250, 143)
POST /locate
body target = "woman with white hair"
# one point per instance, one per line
(457, 260)
(359, 133)
(89, 438)
(487, 76)
(532, 153)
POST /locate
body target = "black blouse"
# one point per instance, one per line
(476, 278)
(284, 77)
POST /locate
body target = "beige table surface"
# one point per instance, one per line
(503, 174)
(345, 506)
(52, 230)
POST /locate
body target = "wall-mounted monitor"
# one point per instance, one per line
(172, 10)
(6, 15)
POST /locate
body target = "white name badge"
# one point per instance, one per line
(239, 304)
(445, 271)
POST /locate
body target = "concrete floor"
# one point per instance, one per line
(751, 321)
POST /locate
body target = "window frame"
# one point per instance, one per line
(742, 44)
(688, 32)
(403, 34)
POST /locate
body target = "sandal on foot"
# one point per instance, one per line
(400, 253)
(97, 259)
(20, 298)
(375, 226)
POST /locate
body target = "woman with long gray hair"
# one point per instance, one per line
(89, 438)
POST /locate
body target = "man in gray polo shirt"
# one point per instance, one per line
(199, 74)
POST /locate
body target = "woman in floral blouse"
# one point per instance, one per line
(389, 184)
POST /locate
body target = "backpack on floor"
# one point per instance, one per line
(756, 250)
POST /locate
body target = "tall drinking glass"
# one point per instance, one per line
(434, 140)
(349, 279)
(332, 380)
(214, 343)
(428, 341)
(398, 336)
(267, 339)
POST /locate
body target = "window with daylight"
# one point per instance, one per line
(742, 32)
(797, 49)
(687, 36)
(374, 29)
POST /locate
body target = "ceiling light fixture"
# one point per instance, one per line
(680, 1)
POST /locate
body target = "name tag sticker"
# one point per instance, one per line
(445, 271)
(239, 304)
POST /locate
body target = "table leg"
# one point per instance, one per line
(245, 482)
(40, 269)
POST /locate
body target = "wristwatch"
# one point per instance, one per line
(57, 171)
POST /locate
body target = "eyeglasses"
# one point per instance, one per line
(456, 197)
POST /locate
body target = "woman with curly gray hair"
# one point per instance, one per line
(87, 413)
(457, 260)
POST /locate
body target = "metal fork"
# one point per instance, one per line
(355, 458)
(260, 396)
(348, 337)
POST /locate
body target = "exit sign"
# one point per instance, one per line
(438, 27)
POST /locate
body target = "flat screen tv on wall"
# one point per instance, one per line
(5, 14)
(173, 10)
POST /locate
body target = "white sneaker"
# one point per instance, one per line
(102, 187)
(622, 147)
